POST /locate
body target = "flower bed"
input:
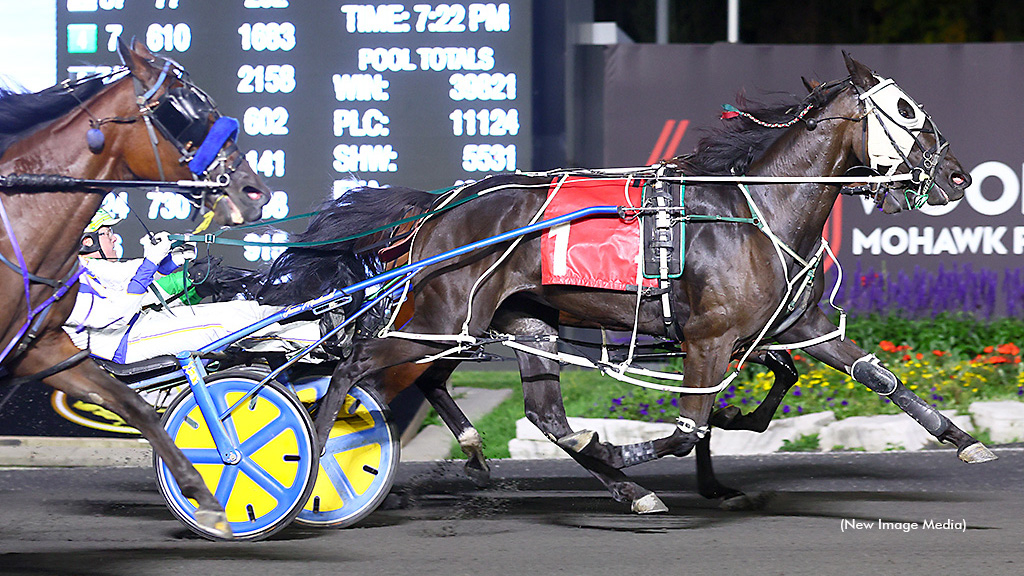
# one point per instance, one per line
(949, 378)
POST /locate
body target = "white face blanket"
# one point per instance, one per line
(894, 120)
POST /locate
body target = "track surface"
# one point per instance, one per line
(549, 517)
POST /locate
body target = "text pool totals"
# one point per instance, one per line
(430, 91)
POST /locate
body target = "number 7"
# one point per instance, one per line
(115, 33)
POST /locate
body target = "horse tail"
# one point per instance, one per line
(218, 282)
(303, 273)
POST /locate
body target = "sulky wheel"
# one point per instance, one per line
(276, 472)
(359, 463)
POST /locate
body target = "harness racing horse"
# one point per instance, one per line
(736, 291)
(102, 128)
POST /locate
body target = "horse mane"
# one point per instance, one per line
(20, 113)
(303, 273)
(733, 147)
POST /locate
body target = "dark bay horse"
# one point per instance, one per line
(735, 282)
(141, 123)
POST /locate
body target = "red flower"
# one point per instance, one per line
(920, 356)
(988, 350)
(939, 352)
(1008, 348)
(997, 360)
(887, 346)
(906, 357)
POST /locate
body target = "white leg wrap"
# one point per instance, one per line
(470, 440)
(687, 426)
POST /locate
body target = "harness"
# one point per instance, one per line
(182, 115)
(667, 215)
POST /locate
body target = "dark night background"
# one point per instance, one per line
(824, 21)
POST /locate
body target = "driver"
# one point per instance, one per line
(112, 318)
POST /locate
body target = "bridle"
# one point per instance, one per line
(182, 114)
(893, 124)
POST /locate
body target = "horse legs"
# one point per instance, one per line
(87, 382)
(781, 365)
(730, 418)
(542, 397)
(368, 365)
(865, 368)
(433, 384)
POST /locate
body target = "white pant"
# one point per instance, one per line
(180, 328)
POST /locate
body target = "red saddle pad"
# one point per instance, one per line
(598, 251)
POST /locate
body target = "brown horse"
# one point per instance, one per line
(141, 125)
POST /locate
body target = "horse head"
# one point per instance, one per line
(896, 136)
(197, 142)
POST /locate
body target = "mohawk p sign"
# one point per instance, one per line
(982, 223)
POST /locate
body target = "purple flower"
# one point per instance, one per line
(785, 409)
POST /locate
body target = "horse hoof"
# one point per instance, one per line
(649, 504)
(577, 441)
(481, 477)
(976, 453)
(214, 523)
(737, 503)
(744, 503)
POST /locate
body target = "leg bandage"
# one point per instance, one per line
(869, 372)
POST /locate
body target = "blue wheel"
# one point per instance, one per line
(266, 489)
(359, 463)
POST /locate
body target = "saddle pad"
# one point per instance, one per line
(594, 252)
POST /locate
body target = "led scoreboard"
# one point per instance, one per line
(330, 94)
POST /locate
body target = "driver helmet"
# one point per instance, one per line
(101, 219)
